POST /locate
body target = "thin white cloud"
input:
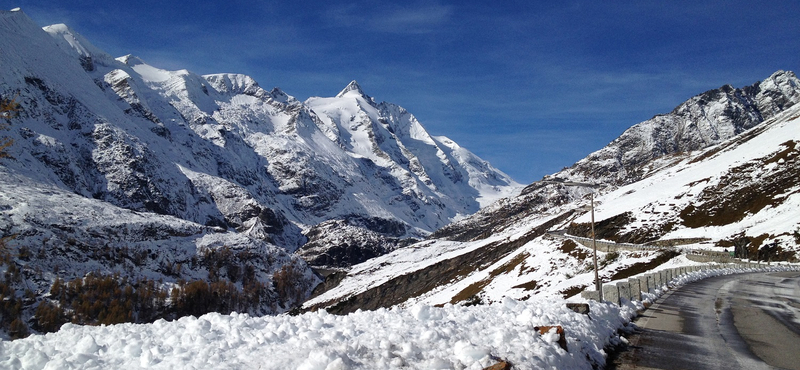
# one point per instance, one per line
(413, 20)
(389, 18)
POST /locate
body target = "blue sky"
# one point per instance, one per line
(531, 86)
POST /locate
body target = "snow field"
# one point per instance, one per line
(421, 337)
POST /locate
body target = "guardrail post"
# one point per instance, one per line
(651, 283)
(611, 294)
(624, 289)
(643, 285)
(591, 295)
(635, 287)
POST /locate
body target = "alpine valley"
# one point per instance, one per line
(163, 193)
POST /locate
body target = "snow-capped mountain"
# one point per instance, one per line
(719, 173)
(219, 149)
(201, 162)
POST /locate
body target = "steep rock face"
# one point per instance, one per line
(344, 243)
(424, 167)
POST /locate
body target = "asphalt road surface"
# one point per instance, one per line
(741, 321)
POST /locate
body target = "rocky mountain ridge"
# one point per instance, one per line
(270, 134)
(704, 120)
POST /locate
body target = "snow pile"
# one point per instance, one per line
(419, 337)
(451, 337)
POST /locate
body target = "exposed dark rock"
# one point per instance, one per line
(343, 243)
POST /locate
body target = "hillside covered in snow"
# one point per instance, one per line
(167, 178)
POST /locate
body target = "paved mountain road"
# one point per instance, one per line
(742, 321)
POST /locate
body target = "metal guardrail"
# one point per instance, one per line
(635, 288)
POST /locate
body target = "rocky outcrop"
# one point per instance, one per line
(355, 239)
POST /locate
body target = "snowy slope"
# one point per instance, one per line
(740, 191)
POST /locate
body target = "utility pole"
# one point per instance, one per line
(597, 285)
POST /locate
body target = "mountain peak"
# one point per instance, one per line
(781, 73)
(280, 96)
(352, 88)
(131, 60)
(74, 43)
